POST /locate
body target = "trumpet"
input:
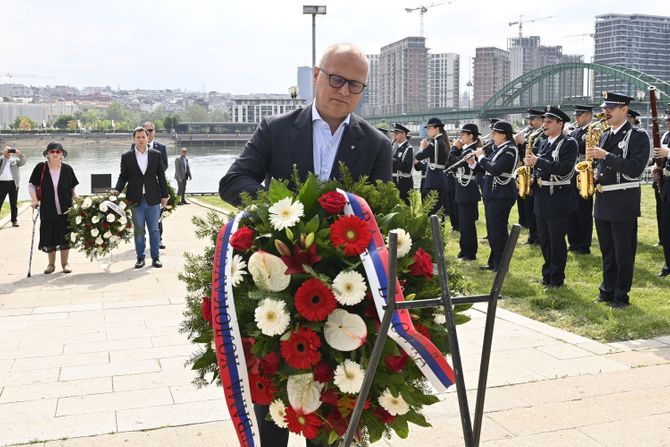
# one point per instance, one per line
(586, 183)
(524, 178)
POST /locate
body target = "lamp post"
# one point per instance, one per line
(314, 10)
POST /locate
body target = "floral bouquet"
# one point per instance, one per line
(172, 202)
(99, 223)
(292, 307)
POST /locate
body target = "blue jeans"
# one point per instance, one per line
(146, 216)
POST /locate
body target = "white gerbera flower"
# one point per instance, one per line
(103, 207)
(87, 203)
(111, 218)
(112, 198)
(268, 271)
(237, 271)
(439, 319)
(404, 241)
(285, 213)
(278, 413)
(95, 232)
(99, 240)
(349, 288)
(396, 406)
(271, 317)
(123, 220)
(77, 220)
(107, 235)
(349, 377)
(73, 237)
(95, 219)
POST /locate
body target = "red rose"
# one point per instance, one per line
(423, 264)
(242, 239)
(330, 397)
(332, 202)
(396, 363)
(206, 307)
(323, 372)
(270, 364)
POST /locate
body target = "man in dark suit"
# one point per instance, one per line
(314, 139)
(142, 170)
(317, 138)
(553, 169)
(623, 154)
(155, 145)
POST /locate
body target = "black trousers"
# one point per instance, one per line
(618, 244)
(451, 209)
(580, 224)
(551, 236)
(467, 218)
(664, 221)
(521, 208)
(181, 189)
(404, 185)
(8, 188)
(529, 207)
(497, 220)
(271, 434)
(659, 206)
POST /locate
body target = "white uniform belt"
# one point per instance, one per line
(467, 177)
(402, 175)
(666, 172)
(436, 166)
(503, 175)
(617, 186)
(541, 182)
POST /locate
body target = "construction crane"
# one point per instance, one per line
(22, 75)
(423, 9)
(582, 35)
(521, 21)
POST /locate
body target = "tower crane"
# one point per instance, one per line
(22, 75)
(521, 21)
(423, 9)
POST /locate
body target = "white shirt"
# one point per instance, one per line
(615, 131)
(325, 143)
(142, 160)
(6, 173)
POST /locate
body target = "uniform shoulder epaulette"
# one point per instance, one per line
(637, 129)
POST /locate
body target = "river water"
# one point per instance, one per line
(208, 165)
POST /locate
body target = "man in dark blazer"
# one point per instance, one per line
(155, 145)
(314, 139)
(553, 169)
(623, 154)
(142, 170)
(317, 138)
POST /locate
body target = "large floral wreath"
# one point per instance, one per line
(305, 309)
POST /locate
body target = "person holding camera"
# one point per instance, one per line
(10, 162)
(51, 187)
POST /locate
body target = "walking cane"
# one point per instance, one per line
(32, 240)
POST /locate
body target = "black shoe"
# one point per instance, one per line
(664, 272)
(15, 224)
(486, 267)
(545, 282)
(156, 262)
(619, 304)
(531, 241)
(140, 263)
(602, 299)
(467, 258)
(162, 246)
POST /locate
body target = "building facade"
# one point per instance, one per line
(443, 81)
(403, 76)
(252, 109)
(491, 73)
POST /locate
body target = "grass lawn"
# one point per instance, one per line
(571, 307)
(213, 201)
(5, 207)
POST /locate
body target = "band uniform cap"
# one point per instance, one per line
(502, 127)
(582, 109)
(615, 99)
(54, 146)
(397, 127)
(434, 122)
(470, 128)
(492, 121)
(534, 113)
(556, 113)
(383, 130)
(633, 113)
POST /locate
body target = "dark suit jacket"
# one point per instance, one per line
(495, 165)
(557, 200)
(282, 141)
(163, 151)
(435, 178)
(153, 180)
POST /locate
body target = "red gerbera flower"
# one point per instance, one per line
(306, 424)
(350, 233)
(301, 350)
(314, 301)
(299, 258)
(262, 389)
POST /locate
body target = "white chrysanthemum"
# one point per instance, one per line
(268, 271)
(439, 319)
(349, 288)
(111, 218)
(285, 213)
(99, 240)
(77, 220)
(87, 203)
(95, 219)
(73, 237)
(103, 207)
(112, 198)
(95, 232)
(237, 271)
(349, 377)
(404, 241)
(278, 413)
(271, 317)
(107, 235)
(396, 406)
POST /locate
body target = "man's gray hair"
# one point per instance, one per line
(344, 48)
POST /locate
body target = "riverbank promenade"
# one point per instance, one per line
(95, 359)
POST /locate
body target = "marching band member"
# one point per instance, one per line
(663, 204)
(435, 152)
(553, 169)
(622, 158)
(403, 156)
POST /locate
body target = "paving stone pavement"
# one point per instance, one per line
(95, 358)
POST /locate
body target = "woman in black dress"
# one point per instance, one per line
(57, 181)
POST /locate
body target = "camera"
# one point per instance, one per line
(12, 150)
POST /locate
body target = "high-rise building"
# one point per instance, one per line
(637, 41)
(491, 73)
(369, 103)
(403, 76)
(526, 54)
(305, 83)
(443, 81)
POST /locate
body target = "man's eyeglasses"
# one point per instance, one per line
(149, 130)
(337, 81)
(54, 151)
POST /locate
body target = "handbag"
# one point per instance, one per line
(38, 191)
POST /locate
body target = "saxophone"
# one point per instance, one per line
(524, 178)
(585, 178)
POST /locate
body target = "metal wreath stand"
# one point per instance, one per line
(471, 432)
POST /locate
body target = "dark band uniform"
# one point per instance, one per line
(554, 199)
(435, 154)
(664, 206)
(525, 206)
(403, 157)
(580, 223)
(500, 192)
(617, 204)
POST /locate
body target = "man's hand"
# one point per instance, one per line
(661, 152)
(423, 144)
(530, 160)
(164, 201)
(458, 143)
(519, 138)
(596, 153)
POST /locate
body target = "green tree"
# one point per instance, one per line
(195, 113)
(219, 116)
(170, 122)
(24, 123)
(62, 120)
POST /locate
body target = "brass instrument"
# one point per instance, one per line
(585, 178)
(524, 177)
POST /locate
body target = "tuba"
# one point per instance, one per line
(524, 178)
(585, 178)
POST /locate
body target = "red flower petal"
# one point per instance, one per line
(314, 301)
(423, 264)
(301, 350)
(262, 389)
(332, 202)
(351, 233)
(242, 239)
(306, 424)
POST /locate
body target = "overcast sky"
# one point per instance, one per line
(247, 46)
